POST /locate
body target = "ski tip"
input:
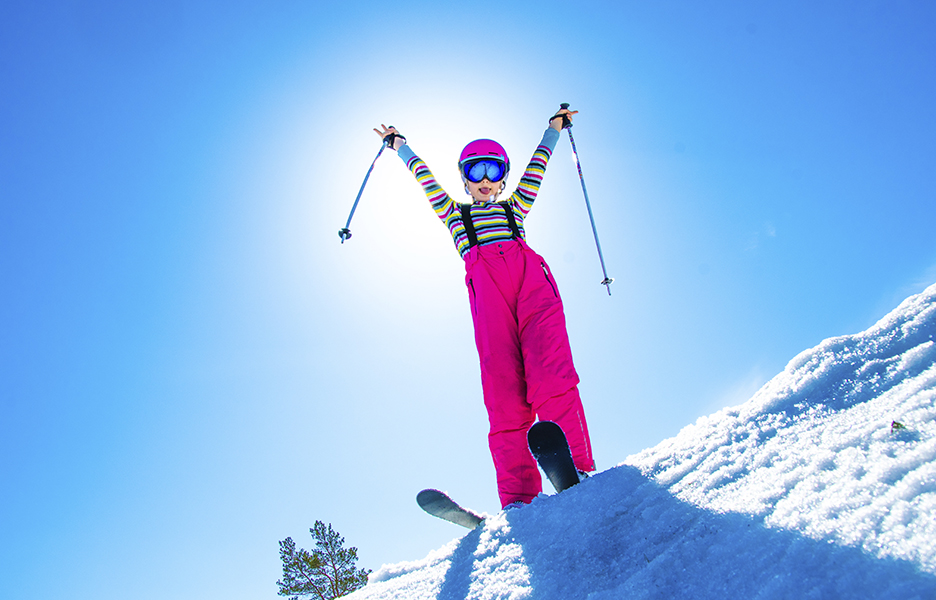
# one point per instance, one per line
(439, 504)
(545, 437)
(427, 495)
(544, 428)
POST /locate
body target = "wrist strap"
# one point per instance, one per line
(566, 122)
(392, 138)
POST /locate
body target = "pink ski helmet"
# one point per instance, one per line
(481, 150)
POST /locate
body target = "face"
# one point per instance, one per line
(484, 190)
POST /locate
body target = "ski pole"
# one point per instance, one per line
(567, 125)
(345, 233)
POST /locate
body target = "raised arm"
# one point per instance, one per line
(531, 180)
(441, 202)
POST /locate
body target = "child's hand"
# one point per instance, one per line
(557, 121)
(396, 141)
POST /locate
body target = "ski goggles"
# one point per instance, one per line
(485, 168)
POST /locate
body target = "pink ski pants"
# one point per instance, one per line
(526, 362)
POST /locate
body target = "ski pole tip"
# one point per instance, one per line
(607, 283)
(345, 234)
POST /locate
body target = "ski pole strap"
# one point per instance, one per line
(566, 121)
(392, 138)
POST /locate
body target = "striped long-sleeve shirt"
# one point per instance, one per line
(489, 219)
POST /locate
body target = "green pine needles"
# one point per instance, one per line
(325, 573)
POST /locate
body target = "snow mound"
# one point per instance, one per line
(823, 485)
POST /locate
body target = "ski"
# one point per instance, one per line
(439, 504)
(551, 450)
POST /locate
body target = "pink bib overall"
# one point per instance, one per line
(526, 362)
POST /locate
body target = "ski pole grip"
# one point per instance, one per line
(391, 138)
(566, 121)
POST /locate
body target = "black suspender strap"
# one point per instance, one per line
(465, 210)
(511, 219)
(469, 225)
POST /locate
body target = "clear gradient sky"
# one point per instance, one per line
(192, 367)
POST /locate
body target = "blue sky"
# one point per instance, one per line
(192, 367)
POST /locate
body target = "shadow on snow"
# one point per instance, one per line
(645, 543)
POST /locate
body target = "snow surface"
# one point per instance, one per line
(807, 490)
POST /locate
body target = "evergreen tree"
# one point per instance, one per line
(325, 573)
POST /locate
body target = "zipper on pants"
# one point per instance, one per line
(549, 279)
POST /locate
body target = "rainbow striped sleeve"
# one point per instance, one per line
(441, 202)
(522, 199)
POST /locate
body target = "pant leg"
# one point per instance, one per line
(493, 283)
(552, 382)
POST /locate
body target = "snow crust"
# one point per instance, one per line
(822, 485)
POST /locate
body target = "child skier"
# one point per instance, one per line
(526, 362)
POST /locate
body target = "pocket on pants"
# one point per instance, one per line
(472, 296)
(549, 278)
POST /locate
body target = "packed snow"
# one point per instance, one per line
(822, 485)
